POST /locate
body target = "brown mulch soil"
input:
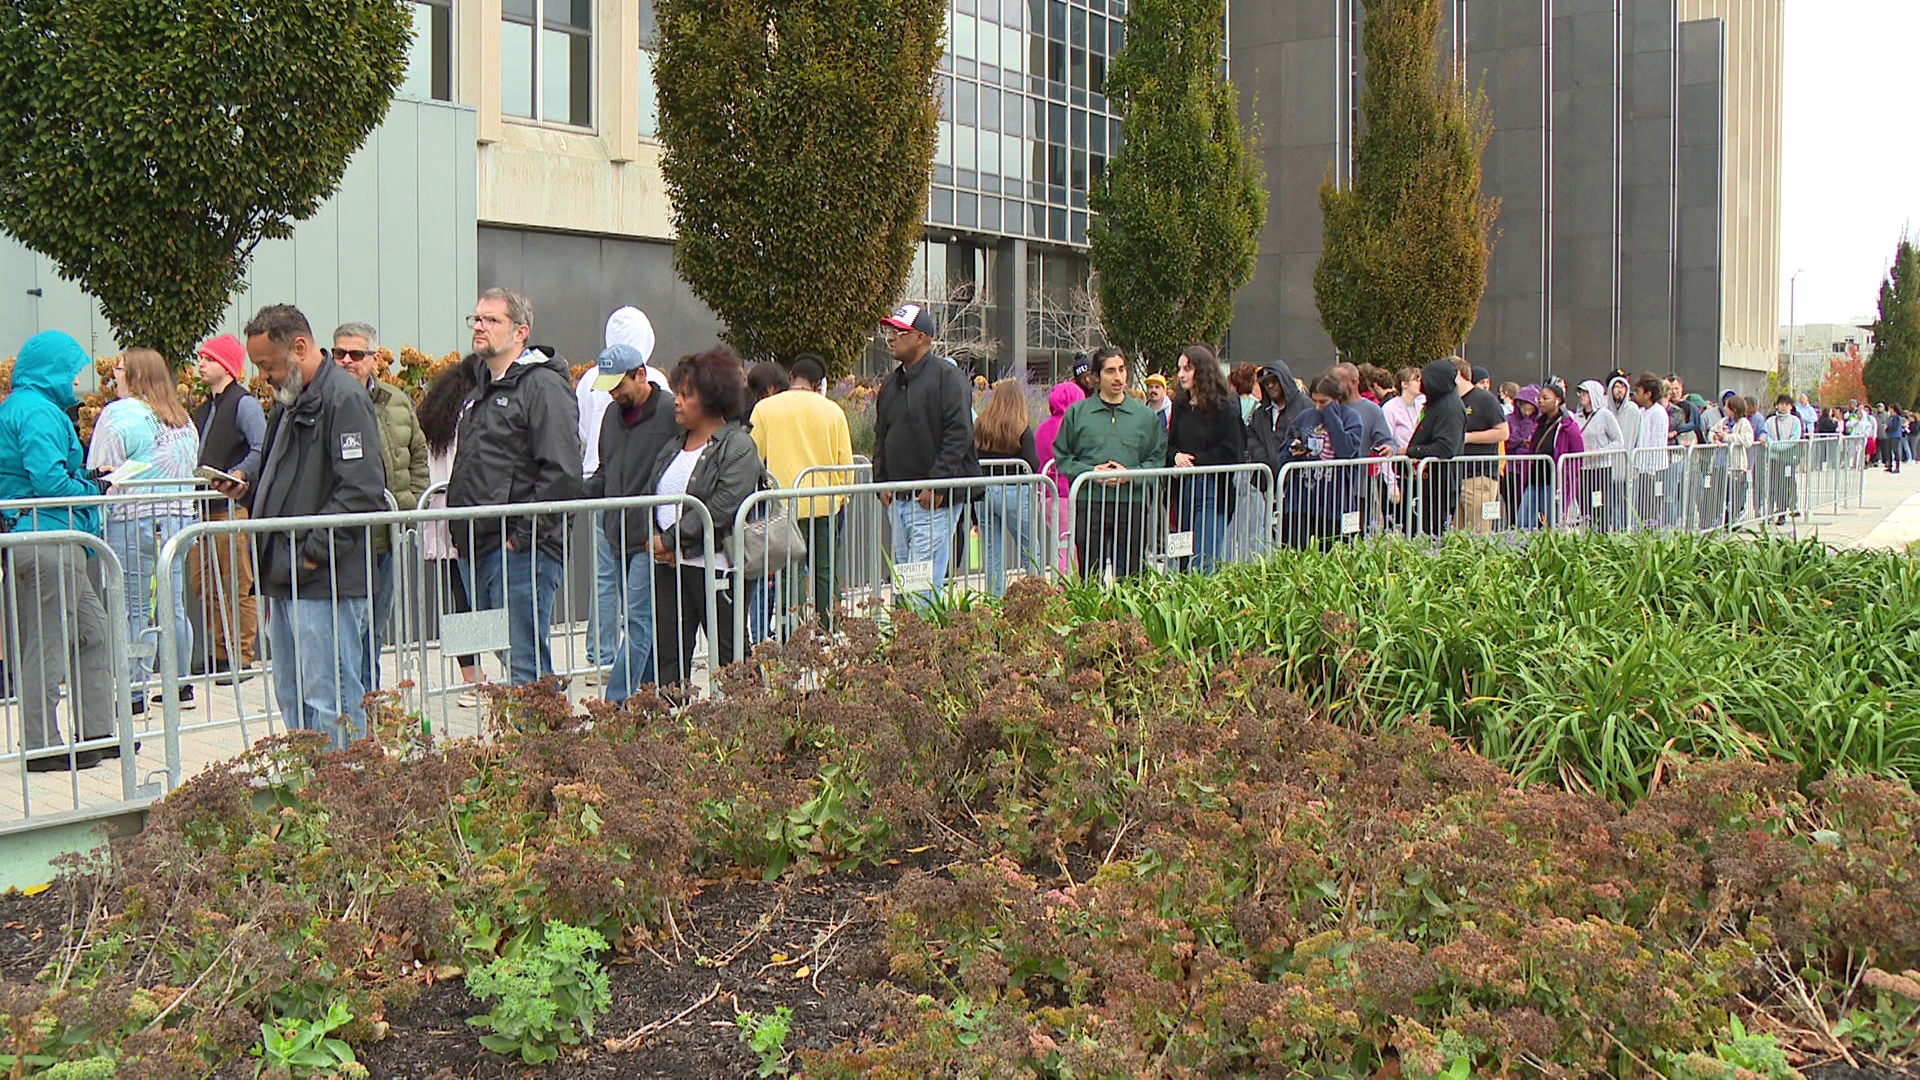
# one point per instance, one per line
(728, 937)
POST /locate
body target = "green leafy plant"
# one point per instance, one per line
(1404, 256)
(544, 994)
(798, 235)
(1892, 374)
(147, 174)
(767, 1036)
(1181, 205)
(306, 1047)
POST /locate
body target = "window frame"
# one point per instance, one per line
(541, 23)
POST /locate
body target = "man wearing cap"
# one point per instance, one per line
(797, 430)
(233, 432)
(922, 430)
(1087, 379)
(403, 452)
(636, 423)
(1158, 399)
(630, 327)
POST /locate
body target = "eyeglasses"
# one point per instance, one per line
(355, 355)
(475, 322)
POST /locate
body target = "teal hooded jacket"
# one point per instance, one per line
(40, 452)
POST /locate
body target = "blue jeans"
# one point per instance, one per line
(1009, 518)
(137, 544)
(603, 643)
(317, 647)
(633, 665)
(1199, 510)
(761, 605)
(524, 583)
(1536, 507)
(923, 535)
(382, 632)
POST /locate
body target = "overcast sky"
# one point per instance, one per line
(1851, 175)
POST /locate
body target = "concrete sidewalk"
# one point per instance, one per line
(1887, 519)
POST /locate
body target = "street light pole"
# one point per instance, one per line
(1793, 329)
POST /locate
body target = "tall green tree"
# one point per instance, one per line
(1892, 375)
(1181, 204)
(799, 138)
(146, 146)
(1404, 257)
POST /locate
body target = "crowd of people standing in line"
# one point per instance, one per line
(508, 425)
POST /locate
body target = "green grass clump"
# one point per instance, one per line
(1582, 660)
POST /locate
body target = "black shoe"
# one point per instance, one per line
(227, 676)
(112, 753)
(184, 697)
(85, 759)
(139, 706)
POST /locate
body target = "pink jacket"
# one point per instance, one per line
(1059, 400)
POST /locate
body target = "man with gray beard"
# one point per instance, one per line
(323, 457)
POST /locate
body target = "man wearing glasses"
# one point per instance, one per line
(403, 452)
(922, 430)
(519, 442)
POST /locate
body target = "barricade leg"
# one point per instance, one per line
(382, 617)
(823, 558)
(609, 574)
(525, 583)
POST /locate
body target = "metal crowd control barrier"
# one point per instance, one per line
(1319, 502)
(1595, 491)
(326, 640)
(1017, 536)
(1486, 494)
(65, 618)
(1128, 520)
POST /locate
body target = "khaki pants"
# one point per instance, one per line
(221, 574)
(1476, 492)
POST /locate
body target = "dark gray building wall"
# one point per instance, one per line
(1698, 252)
(1509, 55)
(1586, 188)
(1290, 60)
(1649, 89)
(575, 282)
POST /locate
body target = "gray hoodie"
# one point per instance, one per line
(1600, 428)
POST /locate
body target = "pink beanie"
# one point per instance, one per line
(227, 351)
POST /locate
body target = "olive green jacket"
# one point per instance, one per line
(403, 449)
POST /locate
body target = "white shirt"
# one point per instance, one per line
(1652, 455)
(674, 482)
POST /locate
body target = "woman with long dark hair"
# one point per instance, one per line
(440, 410)
(1205, 429)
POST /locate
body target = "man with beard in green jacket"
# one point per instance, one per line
(1105, 433)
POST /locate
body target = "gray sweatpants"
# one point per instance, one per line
(54, 606)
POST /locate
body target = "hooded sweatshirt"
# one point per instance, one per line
(1521, 426)
(1600, 428)
(1059, 400)
(1268, 429)
(40, 453)
(1442, 430)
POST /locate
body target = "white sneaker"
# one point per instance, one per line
(468, 699)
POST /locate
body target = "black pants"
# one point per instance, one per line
(679, 612)
(1109, 532)
(1439, 493)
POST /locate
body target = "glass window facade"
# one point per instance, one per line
(1024, 124)
(649, 55)
(430, 59)
(546, 60)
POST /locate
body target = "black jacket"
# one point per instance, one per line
(519, 443)
(923, 424)
(627, 454)
(1442, 431)
(725, 475)
(1215, 437)
(1267, 428)
(323, 457)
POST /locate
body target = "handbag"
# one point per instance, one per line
(768, 540)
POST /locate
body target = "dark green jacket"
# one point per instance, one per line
(1093, 433)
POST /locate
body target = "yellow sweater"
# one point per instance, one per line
(797, 430)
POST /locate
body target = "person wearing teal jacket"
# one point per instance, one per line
(54, 599)
(1111, 430)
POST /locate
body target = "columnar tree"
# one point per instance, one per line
(1404, 257)
(799, 140)
(146, 146)
(1893, 374)
(1182, 202)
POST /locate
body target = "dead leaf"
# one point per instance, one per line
(802, 971)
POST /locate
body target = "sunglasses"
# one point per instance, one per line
(355, 355)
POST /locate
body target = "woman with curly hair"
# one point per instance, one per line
(439, 412)
(716, 463)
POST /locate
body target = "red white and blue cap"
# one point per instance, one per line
(912, 317)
